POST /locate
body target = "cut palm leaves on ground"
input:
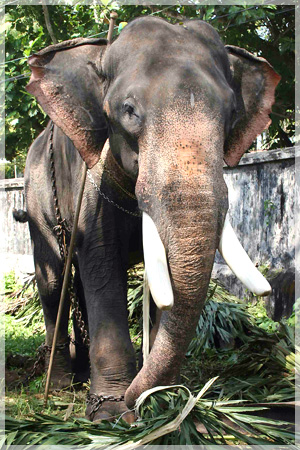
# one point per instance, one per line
(262, 370)
(166, 415)
(220, 323)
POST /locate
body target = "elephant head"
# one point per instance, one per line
(174, 103)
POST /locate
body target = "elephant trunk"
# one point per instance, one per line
(181, 187)
(190, 228)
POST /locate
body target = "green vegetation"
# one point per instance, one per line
(161, 421)
(252, 357)
(24, 329)
(135, 309)
(11, 285)
(266, 30)
(23, 403)
(21, 339)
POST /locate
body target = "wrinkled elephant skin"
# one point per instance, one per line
(174, 103)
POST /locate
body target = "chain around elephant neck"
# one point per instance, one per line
(90, 176)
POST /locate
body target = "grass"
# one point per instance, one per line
(21, 338)
(25, 402)
(253, 357)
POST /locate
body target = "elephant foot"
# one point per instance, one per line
(100, 407)
(61, 376)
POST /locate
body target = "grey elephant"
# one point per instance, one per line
(153, 115)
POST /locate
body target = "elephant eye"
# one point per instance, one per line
(131, 117)
(128, 108)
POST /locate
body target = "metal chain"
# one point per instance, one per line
(61, 231)
(78, 315)
(61, 228)
(39, 364)
(96, 401)
(90, 176)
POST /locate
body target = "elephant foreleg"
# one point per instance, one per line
(112, 357)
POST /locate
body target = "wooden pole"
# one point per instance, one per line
(112, 22)
(65, 282)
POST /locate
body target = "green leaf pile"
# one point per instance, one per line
(166, 415)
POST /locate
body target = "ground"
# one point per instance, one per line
(233, 341)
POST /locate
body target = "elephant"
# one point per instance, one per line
(153, 115)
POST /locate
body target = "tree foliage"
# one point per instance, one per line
(266, 30)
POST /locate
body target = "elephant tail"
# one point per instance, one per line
(20, 215)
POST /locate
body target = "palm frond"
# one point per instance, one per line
(166, 415)
(261, 370)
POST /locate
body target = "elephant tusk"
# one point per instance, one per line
(240, 263)
(156, 265)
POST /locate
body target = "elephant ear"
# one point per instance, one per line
(254, 82)
(67, 82)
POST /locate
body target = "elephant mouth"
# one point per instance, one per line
(156, 264)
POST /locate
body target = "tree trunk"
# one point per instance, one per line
(48, 23)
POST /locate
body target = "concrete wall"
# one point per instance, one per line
(261, 198)
(15, 248)
(261, 210)
(17, 234)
